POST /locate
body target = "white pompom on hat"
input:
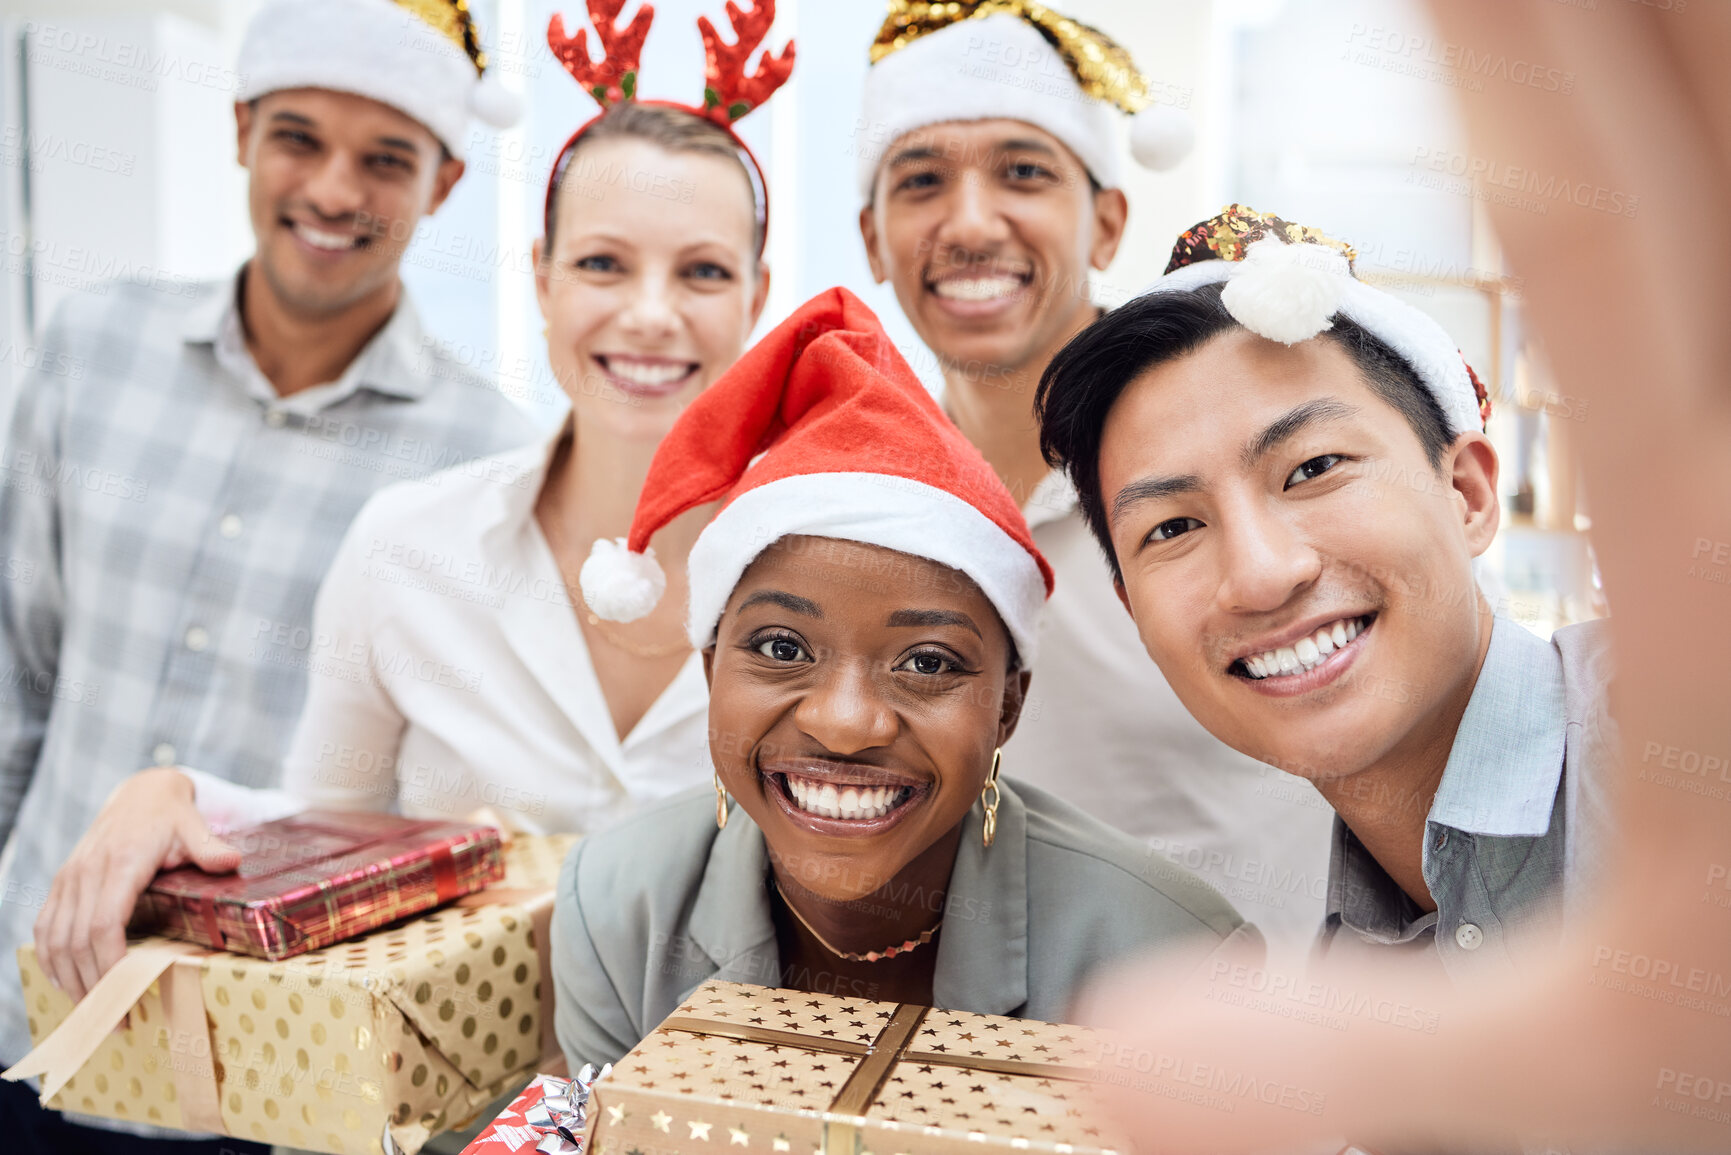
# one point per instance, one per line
(1287, 283)
(935, 63)
(381, 50)
(1287, 293)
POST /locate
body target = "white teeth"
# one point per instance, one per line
(977, 288)
(650, 373)
(1305, 654)
(331, 242)
(852, 802)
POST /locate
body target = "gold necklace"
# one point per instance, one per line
(556, 542)
(870, 955)
(665, 650)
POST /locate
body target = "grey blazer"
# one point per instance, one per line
(649, 909)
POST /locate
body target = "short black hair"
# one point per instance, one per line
(1088, 375)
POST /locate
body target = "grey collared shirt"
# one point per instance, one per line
(663, 902)
(168, 518)
(1509, 836)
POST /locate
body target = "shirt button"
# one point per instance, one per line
(163, 755)
(275, 418)
(1468, 936)
(229, 526)
(197, 638)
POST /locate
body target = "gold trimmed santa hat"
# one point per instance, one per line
(1287, 282)
(936, 61)
(421, 57)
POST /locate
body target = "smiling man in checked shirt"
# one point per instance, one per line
(173, 508)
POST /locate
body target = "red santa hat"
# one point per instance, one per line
(821, 429)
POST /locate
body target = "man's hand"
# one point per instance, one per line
(148, 824)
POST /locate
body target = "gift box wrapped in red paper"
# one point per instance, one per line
(321, 877)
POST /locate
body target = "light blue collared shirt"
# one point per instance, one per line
(1507, 837)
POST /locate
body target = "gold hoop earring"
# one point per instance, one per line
(720, 804)
(991, 802)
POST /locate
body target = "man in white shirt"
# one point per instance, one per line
(231, 434)
(989, 175)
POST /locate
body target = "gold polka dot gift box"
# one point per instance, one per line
(413, 1028)
(754, 1069)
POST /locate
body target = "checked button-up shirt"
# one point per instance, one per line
(165, 521)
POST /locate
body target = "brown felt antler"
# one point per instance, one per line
(614, 78)
(729, 93)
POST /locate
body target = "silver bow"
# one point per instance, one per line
(562, 1111)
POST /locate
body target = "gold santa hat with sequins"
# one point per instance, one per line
(421, 57)
(952, 60)
(1287, 282)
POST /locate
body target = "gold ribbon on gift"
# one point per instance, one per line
(878, 1060)
(180, 965)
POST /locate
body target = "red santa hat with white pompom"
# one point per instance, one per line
(821, 429)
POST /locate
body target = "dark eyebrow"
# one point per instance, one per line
(1151, 489)
(909, 155)
(934, 618)
(790, 602)
(399, 143)
(292, 118)
(927, 152)
(1026, 146)
(1290, 423)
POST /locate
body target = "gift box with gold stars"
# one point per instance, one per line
(411, 1029)
(758, 1069)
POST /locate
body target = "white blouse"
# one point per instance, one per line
(446, 672)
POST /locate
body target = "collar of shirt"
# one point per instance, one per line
(982, 963)
(394, 361)
(1501, 781)
(555, 651)
(1507, 759)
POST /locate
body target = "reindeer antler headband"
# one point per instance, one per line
(729, 91)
